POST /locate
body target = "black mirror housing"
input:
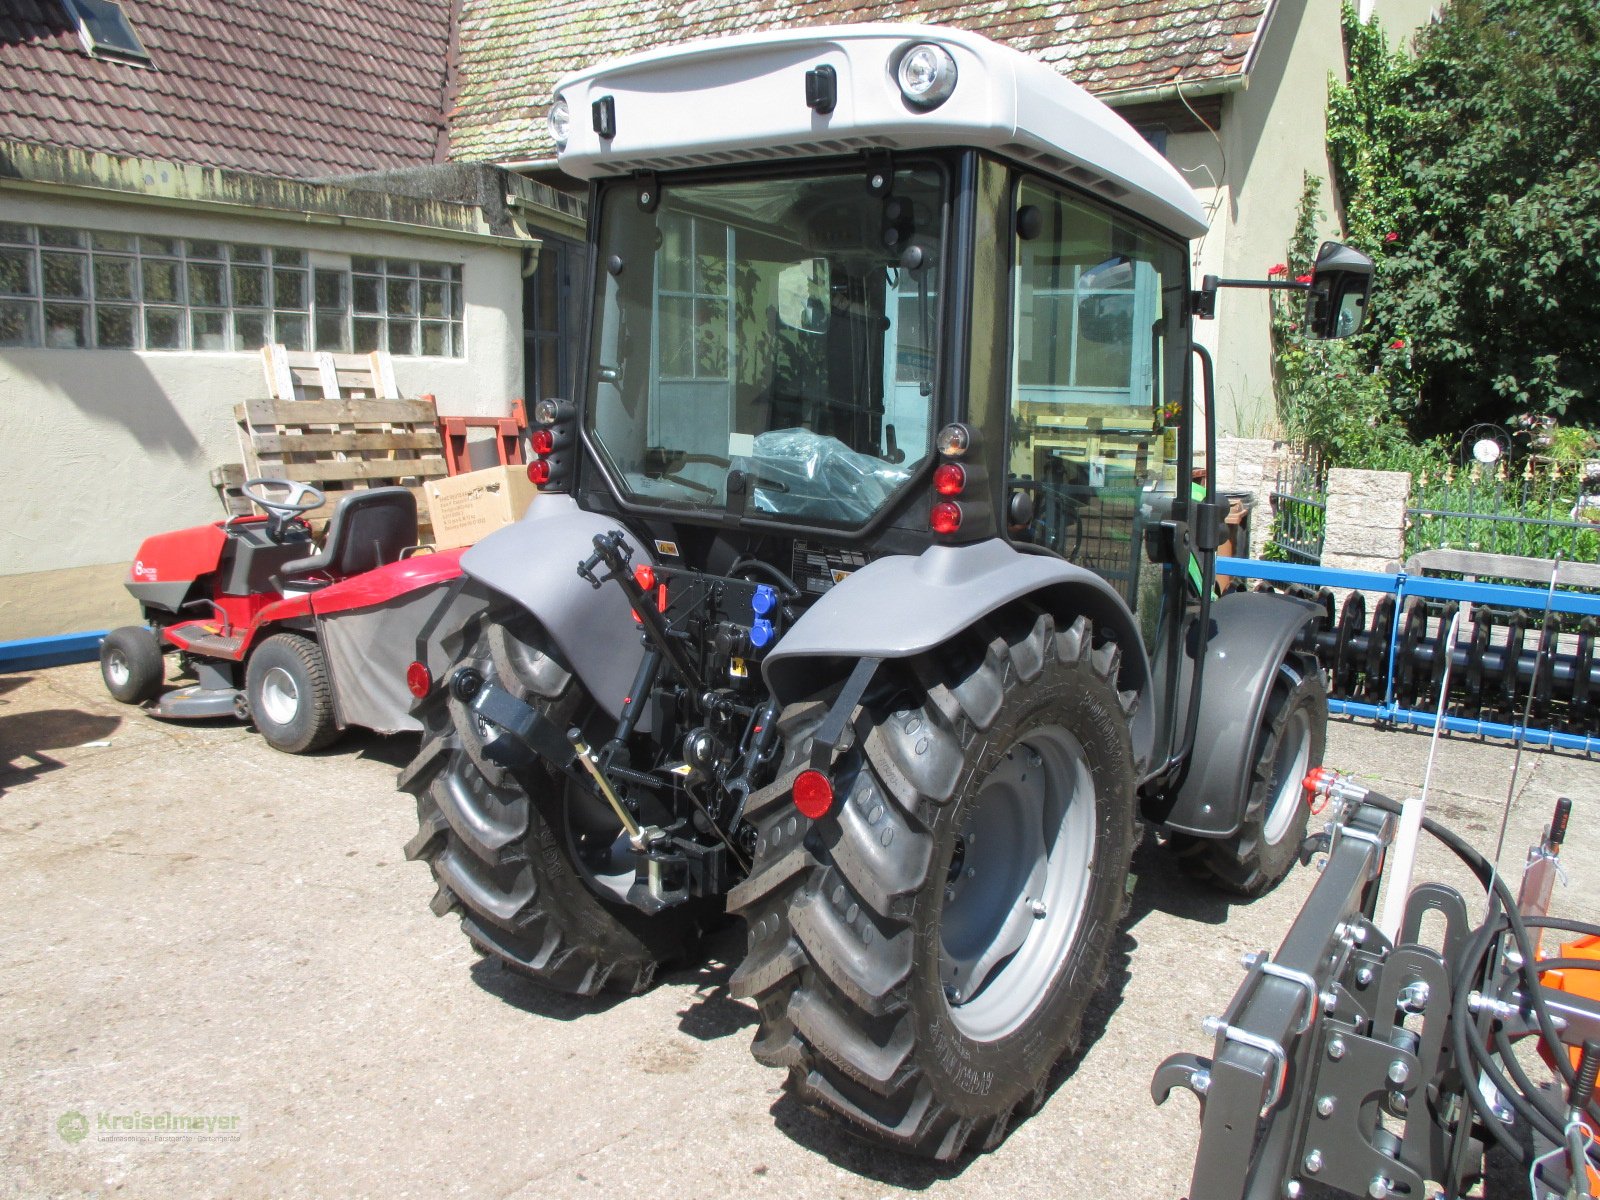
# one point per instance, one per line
(1341, 280)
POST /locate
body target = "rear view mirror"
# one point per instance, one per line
(1340, 283)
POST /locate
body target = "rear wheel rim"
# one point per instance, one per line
(1289, 767)
(1018, 884)
(118, 672)
(280, 697)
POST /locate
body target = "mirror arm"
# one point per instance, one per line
(1204, 301)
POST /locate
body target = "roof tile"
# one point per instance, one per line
(512, 51)
(299, 88)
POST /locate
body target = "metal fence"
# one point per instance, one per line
(1534, 513)
(1299, 512)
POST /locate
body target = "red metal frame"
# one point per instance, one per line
(508, 433)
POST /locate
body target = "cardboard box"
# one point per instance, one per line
(465, 508)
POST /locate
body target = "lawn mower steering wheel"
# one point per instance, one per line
(283, 512)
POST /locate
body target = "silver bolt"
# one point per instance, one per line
(1291, 1188)
(877, 182)
(1329, 1000)
(1378, 1189)
(1398, 1102)
(1336, 1048)
(1250, 960)
(1313, 1162)
(971, 871)
(1037, 908)
(1364, 976)
(1414, 996)
(1325, 1106)
(644, 197)
(1200, 1081)
(1212, 1025)
(949, 893)
(1399, 1072)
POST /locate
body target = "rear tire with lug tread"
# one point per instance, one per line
(131, 664)
(507, 847)
(290, 695)
(1289, 743)
(923, 955)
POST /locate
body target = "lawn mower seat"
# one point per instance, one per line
(368, 530)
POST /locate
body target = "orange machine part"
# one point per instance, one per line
(1585, 984)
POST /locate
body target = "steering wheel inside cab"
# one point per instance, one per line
(284, 500)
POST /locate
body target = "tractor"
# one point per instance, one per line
(868, 594)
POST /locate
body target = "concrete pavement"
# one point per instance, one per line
(192, 922)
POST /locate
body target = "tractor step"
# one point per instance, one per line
(196, 703)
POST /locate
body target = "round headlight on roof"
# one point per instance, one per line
(927, 75)
(560, 122)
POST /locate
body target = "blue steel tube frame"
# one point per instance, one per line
(1403, 586)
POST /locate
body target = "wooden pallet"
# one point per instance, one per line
(333, 421)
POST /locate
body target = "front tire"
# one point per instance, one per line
(131, 664)
(520, 855)
(1289, 742)
(290, 697)
(923, 955)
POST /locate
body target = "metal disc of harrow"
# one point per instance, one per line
(1443, 649)
(1408, 663)
(1583, 663)
(1477, 649)
(1511, 663)
(1544, 666)
(1377, 658)
(1352, 626)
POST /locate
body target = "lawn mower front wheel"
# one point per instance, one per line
(132, 665)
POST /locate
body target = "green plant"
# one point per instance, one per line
(1468, 171)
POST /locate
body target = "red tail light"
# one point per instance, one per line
(949, 479)
(813, 794)
(539, 472)
(419, 680)
(945, 517)
(543, 441)
(644, 575)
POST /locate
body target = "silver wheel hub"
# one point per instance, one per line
(280, 698)
(1017, 884)
(117, 669)
(1289, 768)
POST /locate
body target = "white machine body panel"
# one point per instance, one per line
(743, 100)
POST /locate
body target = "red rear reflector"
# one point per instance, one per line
(644, 575)
(949, 479)
(419, 680)
(543, 441)
(945, 517)
(813, 794)
(538, 472)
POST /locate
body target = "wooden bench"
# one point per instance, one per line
(1474, 564)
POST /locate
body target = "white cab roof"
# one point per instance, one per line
(743, 99)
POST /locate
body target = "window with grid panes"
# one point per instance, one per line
(68, 288)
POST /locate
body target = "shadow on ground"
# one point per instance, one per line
(25, 737)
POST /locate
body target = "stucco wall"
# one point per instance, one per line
(99, 448)
(1273, 133)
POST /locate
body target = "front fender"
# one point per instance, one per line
(1251, 634)
(535, 562)
(899, 606)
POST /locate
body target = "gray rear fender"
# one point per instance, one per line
(904, 605)
(534, 562)
(1252, 634)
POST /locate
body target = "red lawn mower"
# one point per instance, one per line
(300, 640)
